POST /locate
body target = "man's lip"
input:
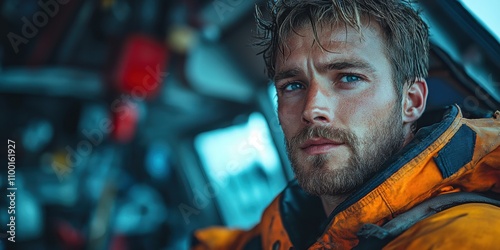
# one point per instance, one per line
(319, 142)
(319, 146)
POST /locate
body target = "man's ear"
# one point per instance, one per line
(414, 100)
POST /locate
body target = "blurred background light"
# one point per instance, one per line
(486, 11)
(244, 167)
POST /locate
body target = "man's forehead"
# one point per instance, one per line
(338, 34)
(333, 43)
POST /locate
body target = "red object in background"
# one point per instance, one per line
(119, 242)
(125, 118)
(69, 236)
(141, 68)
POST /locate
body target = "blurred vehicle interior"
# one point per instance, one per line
(139, 121)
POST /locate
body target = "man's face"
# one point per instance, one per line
(338, 107)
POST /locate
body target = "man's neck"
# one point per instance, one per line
(331, 202)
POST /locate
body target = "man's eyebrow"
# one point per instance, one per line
(354, 64)
(347, 65)
(286, 74)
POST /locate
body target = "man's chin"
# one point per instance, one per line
(326, 184)
(321, 179)
(326, 162)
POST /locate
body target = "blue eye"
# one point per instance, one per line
(292, 86)
(350, 78)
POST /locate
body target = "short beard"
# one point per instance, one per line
(368, 156)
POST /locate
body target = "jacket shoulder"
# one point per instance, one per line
(226, 238)
(292, 219)
(468, 226)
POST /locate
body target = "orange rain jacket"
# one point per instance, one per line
(453, 155)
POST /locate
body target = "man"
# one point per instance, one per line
(350, 78)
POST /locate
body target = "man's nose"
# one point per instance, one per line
(318, 107)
